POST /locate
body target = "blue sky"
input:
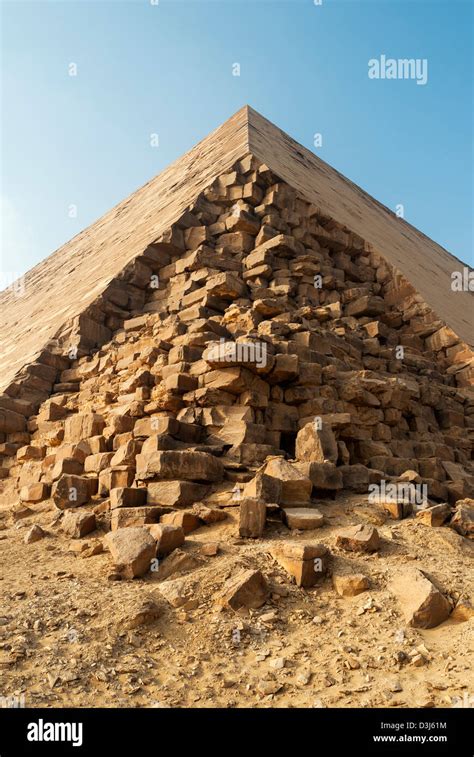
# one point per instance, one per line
(166, 69)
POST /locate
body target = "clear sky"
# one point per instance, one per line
(167, 69)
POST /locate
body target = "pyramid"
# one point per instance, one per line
(248, 329)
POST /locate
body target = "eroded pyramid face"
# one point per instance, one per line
(243, 404)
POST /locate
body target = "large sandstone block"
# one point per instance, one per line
(83, 425)
(242, 432)
(78, 524)
(306, 563)
(168, 538)
(422, 603)
(184, 465)
(463, 518)
(11, 422)
(295, 486)
(303, 518)
(127, 496)
(315, 444)
(248, 589)
(73, 491)
(350, 584)
(132, 550)
(125, 517)
(323, 476)
(97, 463)
(185, 519)
(361, 538)
(35, 492)
(252, 518)
(175, 493)
(264, 487)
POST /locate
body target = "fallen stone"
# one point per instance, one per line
(361, 538)
(303, 518)
(295, 486)
(143, 613)
(180, 464)
(463, 611)
(248, 589)
(132, 550)
(168, 538)
(434, 516)
(178, 562)
(252, 518)
(350, 584)
(175, 493)
(125, 517)
(35, 533)
(316, 444)
(78, 524)
(306, 563)
(463, 518)
(325, 477)
(35, 492)
(185, 519)
(127, 496)
(73, 491)
(209, 515)
(421, 602)
(263, 487)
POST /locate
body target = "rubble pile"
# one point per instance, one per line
(257, 356)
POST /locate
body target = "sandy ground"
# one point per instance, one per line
(70, 636)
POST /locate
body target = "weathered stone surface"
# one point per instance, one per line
(190, 466)
(355, 477)
(35, 492)
(264, 487)
(463, 518)
(78, 524)
(463, 611)
(209, 515)
(82, 426)
(435, 515)
(252, 518)
(361, 538)
(73, 491)
(295, 487)
(168, 537)
(248, 589)
(316, 445)
(397, 509)
(178, 562)
(10, 422)
(127, 496)
(132, 550)
(126, 517)
(350, 584)
(184, 519)
(421, 602)
(306, 563)
(34, 534)
(303, 518)
(175, 493)
(325, 477)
